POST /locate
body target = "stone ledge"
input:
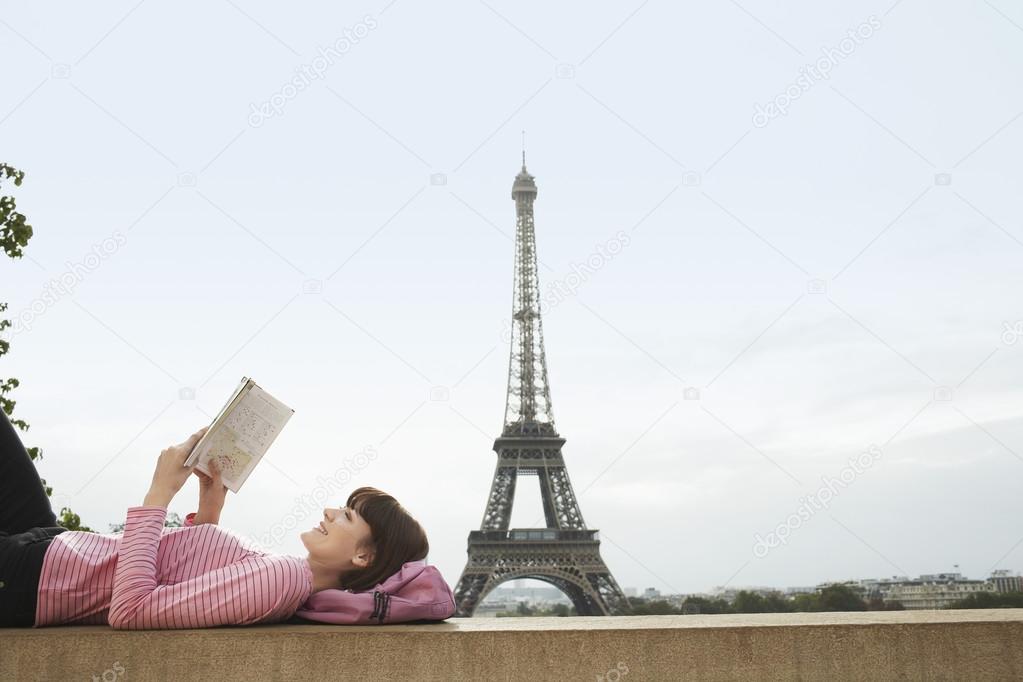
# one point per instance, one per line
(903, 645)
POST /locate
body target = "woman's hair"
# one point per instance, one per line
(396, 538)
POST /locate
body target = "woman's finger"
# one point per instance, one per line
(194, 438)
(215, 470)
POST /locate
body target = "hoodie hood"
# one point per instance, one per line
(416, 592)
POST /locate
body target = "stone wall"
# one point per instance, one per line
(916, 645)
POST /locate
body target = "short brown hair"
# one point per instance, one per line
(396, 538)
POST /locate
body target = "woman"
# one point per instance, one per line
(151, 577)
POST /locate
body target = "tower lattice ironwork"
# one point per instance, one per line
(564, 553)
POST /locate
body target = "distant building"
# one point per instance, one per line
(1004, 581)
(933, 591)
(651, 593)
(676, 600)
(490, 609)
(729, 594)
(878, 588)
(532, 596)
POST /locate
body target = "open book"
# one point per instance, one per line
(241, 434)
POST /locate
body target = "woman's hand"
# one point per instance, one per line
(171, 472)
(212, 493)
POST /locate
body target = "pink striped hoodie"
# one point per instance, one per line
(151, 577)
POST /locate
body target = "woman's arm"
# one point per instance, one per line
(212, 494)
(256, 588)
(198, 518)
(171, 472)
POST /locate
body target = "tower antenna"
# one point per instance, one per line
(523, 149)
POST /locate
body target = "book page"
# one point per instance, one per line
(200, 447)
(244, 436)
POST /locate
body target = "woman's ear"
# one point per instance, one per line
(363, 558)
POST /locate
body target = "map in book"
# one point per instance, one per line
(241, 434)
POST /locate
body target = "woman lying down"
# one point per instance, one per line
(365, 563)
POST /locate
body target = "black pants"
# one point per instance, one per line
(27, 524)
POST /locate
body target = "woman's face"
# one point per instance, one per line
(335, 542)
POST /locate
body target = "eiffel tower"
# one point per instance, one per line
(564, 553)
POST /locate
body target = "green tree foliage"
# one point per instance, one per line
(14, 235)
(14, 230)
(563, 610)
(173, 520)
(754, 602)
(836, 597)
(839, 597)
(70, 520)
(833, 597)
(524, 610)
(878, 604)
(694, 605)
(803, 603)
(990, 600)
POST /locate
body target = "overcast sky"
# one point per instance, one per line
(819, 234)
